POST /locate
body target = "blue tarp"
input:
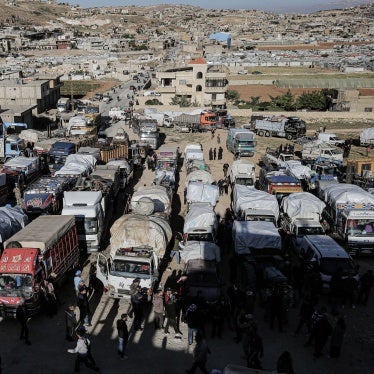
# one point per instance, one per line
(221, 37)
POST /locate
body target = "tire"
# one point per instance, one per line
(267, 134)
(260, 133)
(289, 136)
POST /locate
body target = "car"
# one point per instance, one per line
(98, 96)
(242, 72)
(256, 72)
(107, 98)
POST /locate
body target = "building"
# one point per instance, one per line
(202, 84)
(354, 101)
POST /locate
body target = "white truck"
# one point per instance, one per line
(63, 104)
(198, 192)
(137, 245)
(330, 138)
(256, 238)
(302, 214)
(275, 160)
(242, 172)
(315, 151)
(88, 208)
(367, 137)
(120, 113)
(202, 176)
(77, 165)
(302, 172)
(350, 215)
(249, 204)
(193, 151)
(200, 224)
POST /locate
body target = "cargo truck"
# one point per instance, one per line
(47, 245)
(241, 142)
(10, 143)
(204, 121)
(242, 172)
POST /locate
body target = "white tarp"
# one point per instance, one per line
(193, 154)
(77, 164)
(26, 163)
(199, 176)
(192, 146)
(122, 164)
(242, 167)
(198, 192)
(133, 230)
(81, 158)
(298, 170)
(201, 250)
(249, 235)
(246, 197)
(158, 194)
(199, 216)
(352, 197)
(367, 136)
(11, 221)
(332, 191)
(31, 136)
(303, 205)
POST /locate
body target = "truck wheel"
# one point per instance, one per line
(261, 133)
(289, 137)
(267, 134)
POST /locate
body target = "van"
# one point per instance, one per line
(327, 256)
(330, 138)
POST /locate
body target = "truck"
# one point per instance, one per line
(330, 138)
(242, 172)
(200, 224)
(350, 215)
(302, 172)
(77, 165)
(126, 170)
(58, 153)
(315, 151)
(203, 121)
(120, 113)
(147, 130)
(361, 172)
(367, 137)
(63, 105)
(3, 189)
(44, 196)
(88, 208)
(22, 171)
(47, 245)
(241, 141)
(278, 183)
(167, 157)
(202, 176)
(12, 219)
(249, 204)
(325, 173)
(275, 159)
(83, 125)
(256, 238)
(302, 215)
(10, 143)
(137, 245)
(198, 192)
(280, 126)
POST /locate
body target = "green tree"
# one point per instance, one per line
(232, 95)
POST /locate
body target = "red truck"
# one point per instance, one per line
(49, 244)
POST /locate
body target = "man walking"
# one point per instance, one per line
(22, 317)
(171, 315)
(158, 309)
(210, 154)
(71, 322)
(83, 305)
(200, 355)
(123, 335)
(77, 280)
(192, 318)
(220, 153)
(137, 304)
(214, 153)
(83, 352)
(225, 169)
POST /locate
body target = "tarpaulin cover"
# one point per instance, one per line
(194, 250)
(77, 164)
(303, 205)
(246, 197)
(249, 235)
(332, 191)
(159, 195)
(242, 167)
(199, 216)
(193, 154)
(199, 176)
(11, 221)
(367, 136)
(198, 192)
(133, 230)
(299, 171)
(43, 232)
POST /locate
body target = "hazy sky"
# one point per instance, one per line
(278, 6)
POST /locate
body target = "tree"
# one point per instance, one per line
(182, 101)
(232, 95)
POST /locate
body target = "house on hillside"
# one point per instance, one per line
(202, 84)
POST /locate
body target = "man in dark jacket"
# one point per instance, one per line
(83, 305)
(193, 320)
(137, 304)
(171, 315)
(123, 335)
(322, 330)
(366, 284)
(21, 315)
(71, 322)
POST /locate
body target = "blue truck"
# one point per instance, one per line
(10, 144)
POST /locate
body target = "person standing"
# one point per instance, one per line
(225, 169)
(322, 330)
(71, 322)
(84, 307)
(306, 311)
(366, 284)
(22, 317)
(158, 309)
(133, 289)
(284, 363)
(218, 139)
(214, 153)
(77, 280)
(200, 355)
(123, 335)
(337, 338)
(210, 154)
(171, 315)
(192, 318)
(82, 350)
(256, 351)
(220, 153)
(137, 304)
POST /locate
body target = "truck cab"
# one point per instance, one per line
(59, 152)
(241, 141)
(259, 215)
(242, 172)
(118, 272)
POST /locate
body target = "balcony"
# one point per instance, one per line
(212, 90)
(215, 75)
(166, 89)
(165, 75)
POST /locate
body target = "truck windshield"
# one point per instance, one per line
(310, 231)
(260, 218)
(86, 225)
(200, 237)
(15, 284)
(357, 227)
(132, 269)
(245, 143)
(244, 181)
(331, 265)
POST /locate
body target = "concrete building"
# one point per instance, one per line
(355, 101)
(200, 83)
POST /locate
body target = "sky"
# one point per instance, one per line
(277, 6)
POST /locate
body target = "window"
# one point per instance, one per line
(198, 88)
(368, 109)
(199, 75)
